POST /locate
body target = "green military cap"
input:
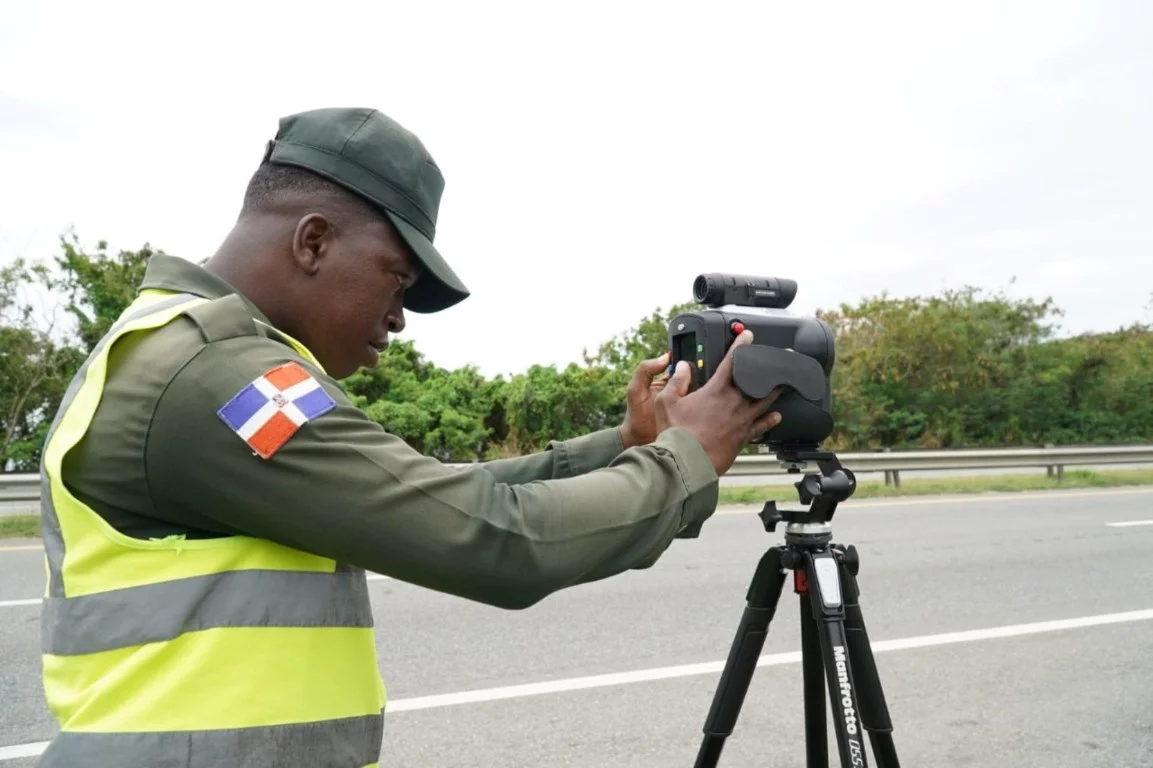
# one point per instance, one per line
(375, 157)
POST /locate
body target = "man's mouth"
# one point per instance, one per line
(379, 346)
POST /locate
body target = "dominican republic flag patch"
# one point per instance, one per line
(269, 410)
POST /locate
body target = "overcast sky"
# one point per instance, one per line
(602, 154)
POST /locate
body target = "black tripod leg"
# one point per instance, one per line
(824, 584)
(874, 710)
(813, 669)
(763, 595)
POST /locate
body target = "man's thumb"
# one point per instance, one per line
(679, 382)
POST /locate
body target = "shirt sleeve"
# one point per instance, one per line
(343, 487)
(567, 458)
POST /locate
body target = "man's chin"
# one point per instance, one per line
(346, 366)
(371, 356)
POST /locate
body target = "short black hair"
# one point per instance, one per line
(272, 182)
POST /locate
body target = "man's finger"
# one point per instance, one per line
(647, 369)
(724, 371)
(678, 383)
(772, 398)
(768, 418)
(766, 422)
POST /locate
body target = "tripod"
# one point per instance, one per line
(833, 637)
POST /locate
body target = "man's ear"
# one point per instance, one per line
(311, 241)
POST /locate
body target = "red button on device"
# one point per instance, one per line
(738, 328)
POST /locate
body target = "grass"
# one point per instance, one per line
(28, 526)
(19, 526)
(869, 489)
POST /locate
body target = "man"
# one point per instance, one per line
(212, 499)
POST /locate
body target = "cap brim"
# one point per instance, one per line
(438, 287)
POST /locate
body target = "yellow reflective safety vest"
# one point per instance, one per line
(203, 653)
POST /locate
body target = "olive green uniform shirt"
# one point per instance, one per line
(158, 461)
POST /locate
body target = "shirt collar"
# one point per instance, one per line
(172, 273)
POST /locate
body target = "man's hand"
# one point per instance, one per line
(718, 414)
(640, 427)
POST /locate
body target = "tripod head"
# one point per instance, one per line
(820, 491)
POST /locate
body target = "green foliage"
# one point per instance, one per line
(1099, 389)
(545, 404)
(34, 370)
(460, 416)
(644, 341)
(445, 414)
(37, 358)
(99, 286)
(969, 369)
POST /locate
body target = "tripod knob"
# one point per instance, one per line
(840, 484)
(770, 516)
(852, 560)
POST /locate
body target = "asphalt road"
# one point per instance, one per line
(1011, 630)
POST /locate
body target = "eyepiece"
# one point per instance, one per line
(716, 289)
(708, 290)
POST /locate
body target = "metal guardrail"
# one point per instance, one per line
(893, 463)
(26, 487)
(19, 487)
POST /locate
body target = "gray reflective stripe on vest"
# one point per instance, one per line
(350, 743)
(159, 612)
(49, 524)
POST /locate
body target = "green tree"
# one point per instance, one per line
(398, 376)
(932, 371)
(460, 403)
(98, 285)
(647, 339)
(446, 414)
(35, 369)
(1098, 388)
(38, 356)
(546, 404)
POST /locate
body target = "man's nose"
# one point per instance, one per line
(396, 321)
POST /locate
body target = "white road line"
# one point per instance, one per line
(22, 750)
(706, 668)
(14, 603)
(1128, 523)
(715, 667)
